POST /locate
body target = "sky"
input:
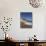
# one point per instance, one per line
(26, 15)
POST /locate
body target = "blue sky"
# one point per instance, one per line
(26, 15)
